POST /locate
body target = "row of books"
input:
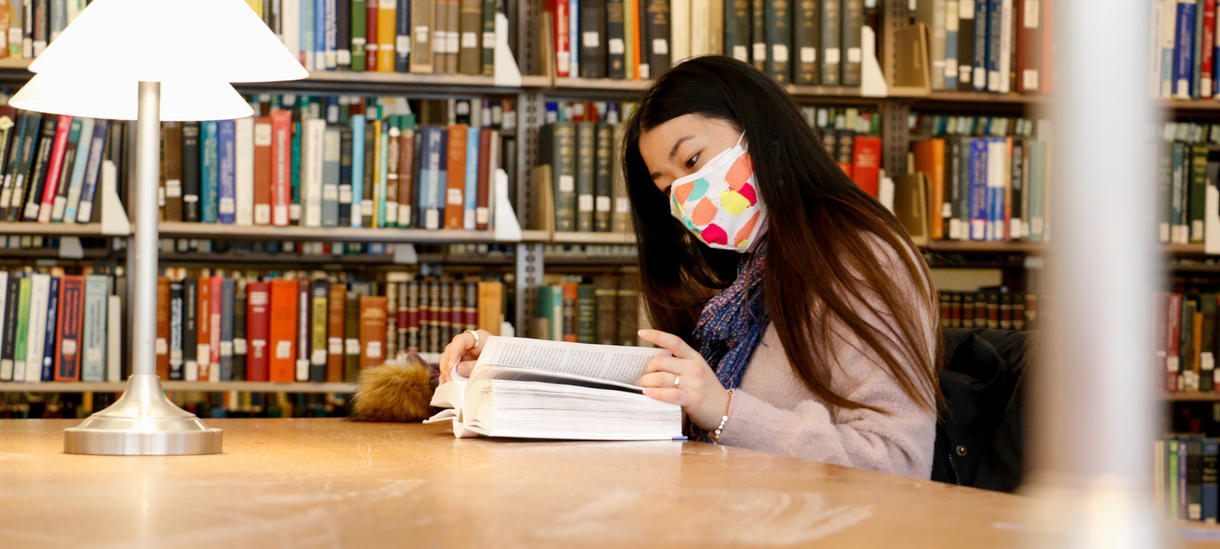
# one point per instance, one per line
(29, 25)
(309, 328)
(1182, 49)
(1185, 477)
(58, 327)
(416, 36)
(580, 148)
(51, 166)
(601, 309)
(997, 308)
(810, 43)
(853, 139)
(1188, 162)
(988, 179)
(999, 46)
(330, 163)
(1186, 342)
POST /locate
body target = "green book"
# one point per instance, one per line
(383, 174)
(558, 146)
(23, 328)
(737, 28)
(209, 171)
(758, 37)
(1172, 481)
(778, 33)
(804, 40)
(603, 208)
(586, 160)
(852, 55)
(630, 20)
(359, 34)
(294, 209)
(586, 314)
(1197, 200)
(488, 40)
(831, 42)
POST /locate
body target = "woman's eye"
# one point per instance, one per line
(690, 163)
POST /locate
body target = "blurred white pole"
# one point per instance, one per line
(1093, 406)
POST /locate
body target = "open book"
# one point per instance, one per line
(532, 388)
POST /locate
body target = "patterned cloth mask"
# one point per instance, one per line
(720, 202)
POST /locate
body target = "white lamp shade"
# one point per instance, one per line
(119, 100)
(169, 41)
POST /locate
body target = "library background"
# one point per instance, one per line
(452, 164)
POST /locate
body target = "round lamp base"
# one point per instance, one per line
(143, 422)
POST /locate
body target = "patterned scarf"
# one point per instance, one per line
(733, 322)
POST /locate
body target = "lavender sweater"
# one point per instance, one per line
(772, 410)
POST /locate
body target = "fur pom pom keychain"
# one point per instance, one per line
(398, 392)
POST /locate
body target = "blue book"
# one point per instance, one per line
(979, 78)
(92, 171)
(978, 189)
(208, 171)
(357, 168)
(1184, 50)
(442, 176)
(319, 36)
(402, 47)
(1211, 455)
(472, 178)
(430, 183)
(48, 342)
(995, 24)
(226, 162)
(574, 35)
(308, 25)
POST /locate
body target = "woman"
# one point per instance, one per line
(812, 313)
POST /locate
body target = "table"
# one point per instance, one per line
(304, 483)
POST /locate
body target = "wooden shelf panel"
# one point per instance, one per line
(203, 386)
(1192, 397)
(560, 237)
(51, 229)
(971, 97)
(329, 234)
(965, 246)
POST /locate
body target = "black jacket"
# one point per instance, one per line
(979, 439)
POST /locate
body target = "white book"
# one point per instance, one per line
(93, 328)
(81, 161)
(679, 31)
(6, 367)
(311, 171)
(40, 286)
(995, 184)
(244, 161)
(700, 20)
(531, 388)
(290, 28)
(1006, 43)
(114, 331)
(330, 176)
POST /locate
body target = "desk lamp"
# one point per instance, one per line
(152, 60)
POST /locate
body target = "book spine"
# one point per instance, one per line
(995, 31)
(262, 167)
(1208, 479)
(620, 222)
(406, 177)
(282, 329)
(38, 174)
(358, 161)
(336, 313)
(1029, 47)
(344, 210)
(560, 19)
(29, 140)
(190, 170)
(564, 165)
(8, 337)
(318, 322)
(203, 348)
(50, 330)
(982, 20)
(657, 21)
(258, 318)
(217, 361)
(470, 25)
(226, 162)
(586, 146)
(804, 38)
(456, 181)
(853, 20)
(351, 335)
(343, 34)
(402, 39)
(978, 189)
(831, 42)
(615, 36)
(240, 325)
(423, 38)
(176, 296)
(21, 337)
(471, 172)
(55, 163)
(965, 44)
(372, 330)
(304, 328)
(243, 168)
(488, 38)
(390, 169)
(209, 171)
(952, 27)
(330, 176)
(68, 336)
(171, 152)
(592, 34)
(190, 331)
(359, 34)
(225, 347)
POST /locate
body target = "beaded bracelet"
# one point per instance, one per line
(723, 420)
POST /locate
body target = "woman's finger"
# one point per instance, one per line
(662, 363)
(465, 367)
(669, 342)
(667, 395)
(657, 379)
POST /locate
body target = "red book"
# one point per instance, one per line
(68, 340)
(1048, 45)
(262, 170)
(1173, 354)
(258, 326)
(283, 330)
(866, 163)
(370, 31)
(1207, 75)
(456, 173)
(488, 156)
(54, 166)
(161, 344)
(203, 323)
(217, 295)
(372, 330)
(281, 164)
(559, 23)
(1028, 47)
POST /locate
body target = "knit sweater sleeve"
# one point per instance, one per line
(898, 441)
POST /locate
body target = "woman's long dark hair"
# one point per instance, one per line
(821, 253)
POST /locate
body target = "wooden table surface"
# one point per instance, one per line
(301, 483)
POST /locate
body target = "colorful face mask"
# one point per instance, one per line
(720, 202)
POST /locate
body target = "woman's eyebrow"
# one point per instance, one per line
(674, 151)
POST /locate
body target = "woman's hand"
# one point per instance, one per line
(463, 346)
(698, 392)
